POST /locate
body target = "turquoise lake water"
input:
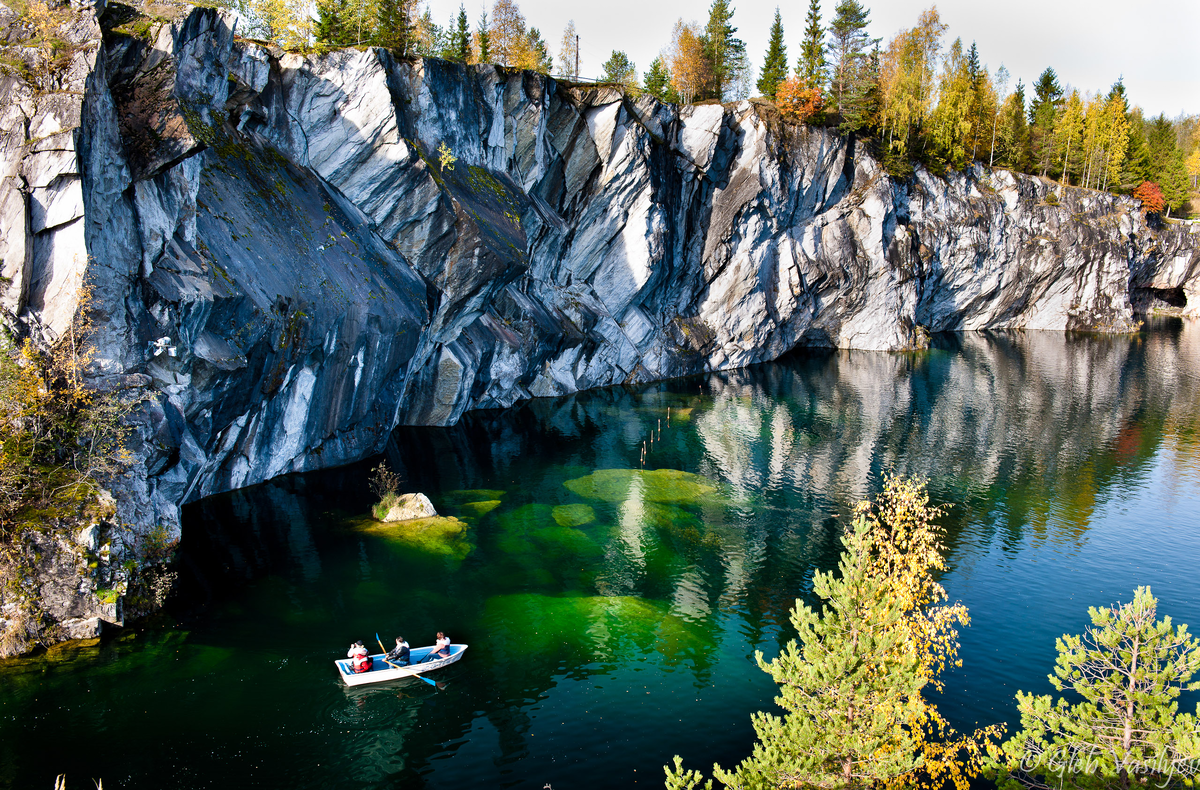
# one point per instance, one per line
(612, 607)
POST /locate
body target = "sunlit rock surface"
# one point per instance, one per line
(286, 269)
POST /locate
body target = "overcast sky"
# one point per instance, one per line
(1155, 44)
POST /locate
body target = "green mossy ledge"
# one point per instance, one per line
(437, 536)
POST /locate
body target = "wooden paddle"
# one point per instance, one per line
(390, 664)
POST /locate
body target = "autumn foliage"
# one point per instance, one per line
(797, 102)
(60, 438)
(1151, 196)
(853, 684)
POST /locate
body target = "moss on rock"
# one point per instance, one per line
(670, 486)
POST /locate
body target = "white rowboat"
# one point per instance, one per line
(381, 671)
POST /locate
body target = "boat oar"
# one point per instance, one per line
(384, 649)
(390, 664)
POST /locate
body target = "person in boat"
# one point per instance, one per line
(360, 660)
(399, 653)
(442, 649)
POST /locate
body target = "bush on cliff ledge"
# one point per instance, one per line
(61, 440)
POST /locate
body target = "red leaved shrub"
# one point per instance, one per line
(797, 102)
(1151, 196)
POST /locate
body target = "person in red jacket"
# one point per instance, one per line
(359, 659)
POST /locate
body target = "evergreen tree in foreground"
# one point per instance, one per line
(851, 683)
(1128, 668)
(775, 67)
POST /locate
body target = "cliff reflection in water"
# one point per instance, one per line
(1034, 423)
(577, 569)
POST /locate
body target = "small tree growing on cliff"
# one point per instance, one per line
(1128, 668)
(1151, 197)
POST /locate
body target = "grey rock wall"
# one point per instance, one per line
(286, 270)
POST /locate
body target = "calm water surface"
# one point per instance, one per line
(613, 610)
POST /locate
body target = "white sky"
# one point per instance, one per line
(1155, 44)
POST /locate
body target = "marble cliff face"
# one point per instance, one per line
(286, 269)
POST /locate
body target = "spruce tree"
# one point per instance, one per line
(658, 82)
(811, 66)
(484, 38)
(775, 67)
(1042, 116)
(459, 48)
(332, 27)
(391, 26)
(1126, 671)
(1137, 153)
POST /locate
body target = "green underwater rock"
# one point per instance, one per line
(657, 485)
(535, 530)
(463, 495)
(608, 628)
(478, 509)
(573, 515)
(438, 535)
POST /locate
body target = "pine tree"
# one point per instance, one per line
(851, 64)
(775, 67)
(1129, 668)
(811, 67)
(426, 38)
(541, 60)
(658, 82)
(619, 68)
(459, 48)
(723, 51)
(851, 683)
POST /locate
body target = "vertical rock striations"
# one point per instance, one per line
(287, 270)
